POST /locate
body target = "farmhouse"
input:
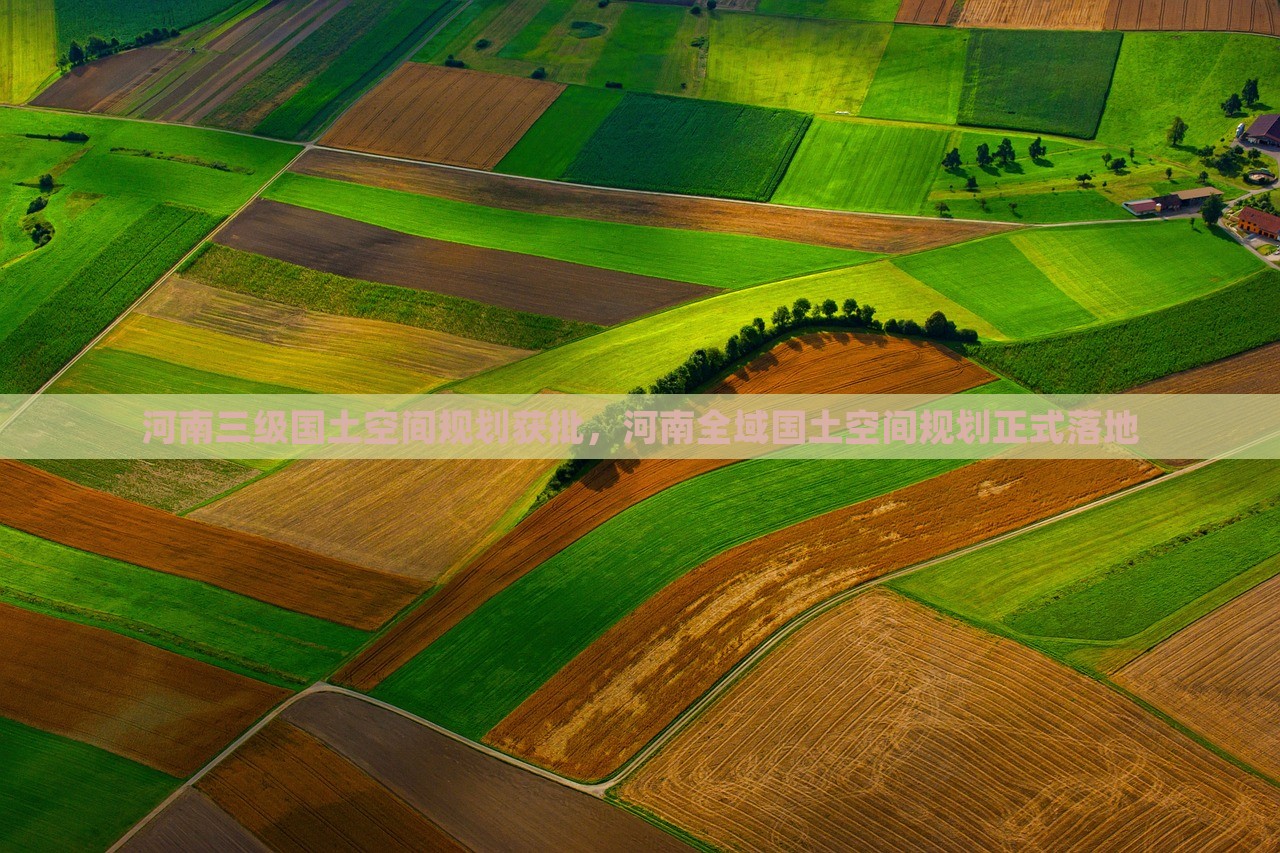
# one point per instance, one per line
(1259, 222)
(1171, 203)
(1265, 130)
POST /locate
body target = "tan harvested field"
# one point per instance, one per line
(193, 824)
(294, 793)
(356, 249)
(484, 803)
(814, 364)
(96, 87)
(444, 115)
(417, 518)
(165, 710)
(1254, 372)
(925, 11)
(884, 726)
(173, 485)
(1257, 16)
(865, 232)
(281, 574)
(1034, 14)
(626, 687)
(1220, 676)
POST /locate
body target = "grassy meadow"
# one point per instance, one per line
(920, 76)
(28, 48)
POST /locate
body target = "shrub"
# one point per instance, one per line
(539, 73)
(37, 204)
(452, 62)
(482, 44)
(46, 183)
(612, 84)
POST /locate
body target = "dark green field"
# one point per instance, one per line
(651, 142)
(1052, 82)
(79, 19)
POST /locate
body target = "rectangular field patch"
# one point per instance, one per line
(1034, 14)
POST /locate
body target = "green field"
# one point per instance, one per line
(105, 370)
(547, 148)
(1120, 355)
(638, 47)
(796, 63)
(79, 19)
(880, 168)
(853, 10)
(173, 485)
(1105, 585)
(623, 357)
(60, 794)
(186, 616)
(1190, 74)
(695, 147)
(28, 48)
(701, 257)
(1054, 82)
(474, 675)
(920, 76)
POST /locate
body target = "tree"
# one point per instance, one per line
(850, 308)
(971, 184)
(937, 326)
(1083, 179)
(46, 183)
(952, 161)
(1005, 153)
(1231, 106)
(1168, 173)
(539, 73)
(1037, 149)
(1118, 164)
(1106, 158)
(943, 208)
(1204, 177)
(984, 155)
(1177, 131)
(711, 5)
(75, 53)
(800, 309)
(1013, 208)
(781, 317)
(1250, 91)
(1211, 210)
(829, 308)
(759, 324)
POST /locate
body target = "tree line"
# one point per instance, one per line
(97, 47)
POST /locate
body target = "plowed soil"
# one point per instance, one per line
(1254, 372)
(444, 115)
(359, 250)
(884, 726)
(193, 824)
(485, 803)
(294, 793)
(1256, 16)
(623, 690)
(1221, 677)
(95, 86)
(925, 11)
(1035, 14)
(45, 506)
(814, 364)
(156, 707)
(827, 228)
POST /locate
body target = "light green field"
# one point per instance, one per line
(191, 618)
(104, 370)
(701, 257)
(1192, 73)
(853, 10)
(58, 794)
(880, 168)
(28, 48)
(638, 49)
(1102, 587)
(994, 279)
(919, 76)
(636, 353)
(547, 148)
(478, 672)
(798, 63)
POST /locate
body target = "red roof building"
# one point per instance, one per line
(1259, 222)
(1265, 130)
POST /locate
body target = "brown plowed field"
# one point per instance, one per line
(884, 726)
(1254, 372)
(814, 364)
(827, 228)
(45, 506)
(95, 86)
(294, 793)
(1035, 14)
(626, 687)
(1221, 677)
(1257, 16)
(418, 518)
(924, 11)
(193, 824)
(162, 709)
(356, 249)
(444, 115)
(485, 803)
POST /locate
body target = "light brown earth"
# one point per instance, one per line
(815, 364)
(444, 115)
(925, 11)
(485, 803)
(865, 232)
(619, 693)
(356, 249)
(193, 824)
(45, 506)
(884, 726)
(1220, 676)
(1035, 14)
(1254, 372)
(294, 793)
(156, 707)
(416, 518)
(1257, 16)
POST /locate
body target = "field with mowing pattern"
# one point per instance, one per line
(79, 19)
(550, 145)
(28, 47)
(853, 10)
(919, 76)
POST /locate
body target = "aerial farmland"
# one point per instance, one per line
(491, 226)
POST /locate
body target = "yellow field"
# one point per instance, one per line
(28, 47)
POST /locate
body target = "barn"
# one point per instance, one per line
(1259, 222)
(1265, 130)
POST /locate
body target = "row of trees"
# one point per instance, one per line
(97, 47)
(1004, 155)
(1247, 96)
